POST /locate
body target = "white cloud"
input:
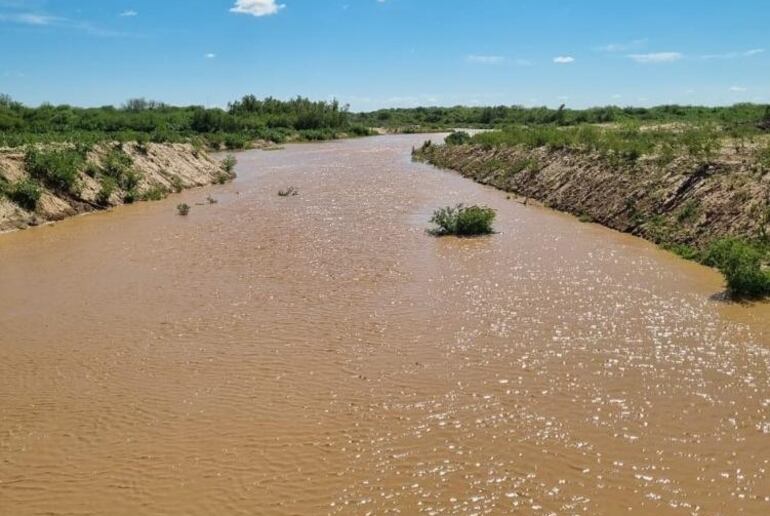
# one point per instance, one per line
(734, 55)
(256, 7)
(624, 47)
(563, 59)
(656, 57)
(210, 55)
(129, 13)
(29, 19)
(485, 59)
(44, 20)
(737, 89)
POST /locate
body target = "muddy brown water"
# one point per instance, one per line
(321, 354)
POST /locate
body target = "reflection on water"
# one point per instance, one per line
(322, 354)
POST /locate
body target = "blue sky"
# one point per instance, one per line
(383, 53)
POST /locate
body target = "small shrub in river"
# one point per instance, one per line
(458, 138)
(289, 192)
(741, 265)
(463, 220)
(222, 178)
(228, 164)
(26, 193)
(183, 209)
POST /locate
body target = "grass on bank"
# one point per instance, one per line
(627, 143)
(461, 220)
(26, 193)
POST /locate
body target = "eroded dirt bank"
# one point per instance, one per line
(682, 202)
(131, 172)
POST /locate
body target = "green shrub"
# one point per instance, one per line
(183, 209)
(155, 193)
(108, 186)
(26, 193)
(176, 184)
(56, 168)
(222, 178)
(117, 163)
(92, 169)
(741, 264)
(359, 130)
(520, 165)
(689, 212)
(228, 164)
(463, 220)
(685, 251)
(236, 141)
(458, 138)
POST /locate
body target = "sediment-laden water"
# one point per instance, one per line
(321, 353)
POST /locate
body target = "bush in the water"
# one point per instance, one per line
(463, 220)
(183, 209)
(458, 138)
(741, 264)
(228, 164)
(289, 192)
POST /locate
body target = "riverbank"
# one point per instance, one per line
(682, 202)
(51, 182)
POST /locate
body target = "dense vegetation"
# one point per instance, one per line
(463, 220)
(629, 141)
(250, 118)
(739, 116)
(141, 120)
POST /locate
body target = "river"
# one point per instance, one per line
(322, 354)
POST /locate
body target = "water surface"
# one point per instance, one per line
(322, 354)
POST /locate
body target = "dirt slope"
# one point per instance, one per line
(683, 202)
(161, 168)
